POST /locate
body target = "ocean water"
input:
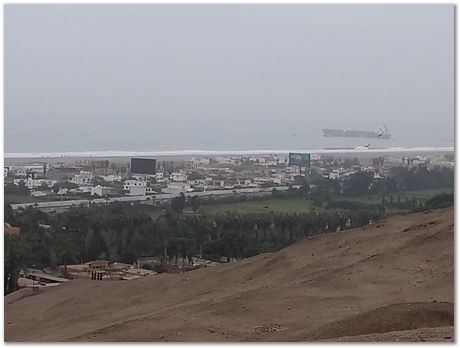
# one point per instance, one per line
(271, 143)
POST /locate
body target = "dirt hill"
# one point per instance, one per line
(386, 282)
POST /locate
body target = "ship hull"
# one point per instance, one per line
(340, 133)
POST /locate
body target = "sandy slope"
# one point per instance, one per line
(391, 281)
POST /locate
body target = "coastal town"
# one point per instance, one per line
(57, 184)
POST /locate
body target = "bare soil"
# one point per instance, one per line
(393, 281)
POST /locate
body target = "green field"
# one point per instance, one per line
(295, 205)
(263, 206)
(419, 195)
(423, 195)
(14, 199)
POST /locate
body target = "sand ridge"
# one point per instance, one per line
(321, 288)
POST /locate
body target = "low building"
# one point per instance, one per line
(262, 180)
(76, 271)
(177, 187)
(37, 194)
(178, 177)
(137, 188)
(62, 191)
(111, 178)
(84, 178)
(128, 184)
(334, 175)
(24, 170)
(97, 265)
(101, 191)
(140, 191)
(42, 277)
(245, 183)
(200, 161)
(104, 270)
(197, 182)
(34, 183)
(84, 189)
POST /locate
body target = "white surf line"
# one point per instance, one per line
(216, 152)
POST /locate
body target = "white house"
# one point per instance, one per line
(140, 191)
(34, 183)
(22, 170)
(178, 177)
(137, 188)
(62, 191)
(37, 194)
(100, 191)
(246, 183)
(84, 189)
(202, 161)
(19, 172)
(334, 175)
(177, 187)
(84, 178)
(262, 180)
(112, 178)
(196, 182)
(128, 184)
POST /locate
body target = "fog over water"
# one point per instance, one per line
(226, 77)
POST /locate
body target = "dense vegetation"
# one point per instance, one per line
(123, 232)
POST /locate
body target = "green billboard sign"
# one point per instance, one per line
(299, 159)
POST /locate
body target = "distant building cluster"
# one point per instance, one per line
(88, 179)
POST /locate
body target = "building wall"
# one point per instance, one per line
(178, 177)
(34, 183)
(137, 191)
(128, 184)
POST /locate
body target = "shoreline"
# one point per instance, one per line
(186, 153)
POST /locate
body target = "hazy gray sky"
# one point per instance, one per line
(169, 77)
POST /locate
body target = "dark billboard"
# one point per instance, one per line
(143, 166)
(299, 159)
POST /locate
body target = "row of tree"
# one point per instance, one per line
(400, 179)
(122, 232)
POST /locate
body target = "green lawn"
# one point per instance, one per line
(419, 195)
(266, 205)
(14, 199)
(424, 195)
(295, 205)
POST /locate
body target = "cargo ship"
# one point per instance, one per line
(341, 133)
